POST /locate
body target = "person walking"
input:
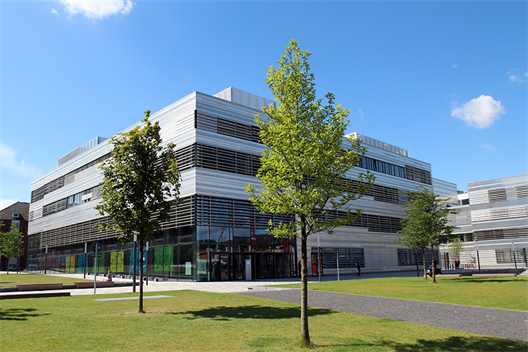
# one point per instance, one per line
(300, 268)
(358, 266)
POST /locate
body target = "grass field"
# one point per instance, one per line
(199, 321)
(11, 280)
(499, 292)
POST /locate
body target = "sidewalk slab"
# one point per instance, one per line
(128, 298)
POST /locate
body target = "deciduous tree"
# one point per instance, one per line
(11, 244)
(306, 159)
(426, 223)
(141, 181)
(456, 246)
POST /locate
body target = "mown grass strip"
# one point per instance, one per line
(13, 279)
(499, 292)
(200, 321)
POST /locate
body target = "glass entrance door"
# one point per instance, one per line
(220, 267)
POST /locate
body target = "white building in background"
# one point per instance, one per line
(493, 222)
(215, 232)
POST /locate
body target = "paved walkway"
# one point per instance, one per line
(214, 286)
(509, 324)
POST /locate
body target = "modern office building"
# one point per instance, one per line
(493, 223)
(16, 214)
(215, 232)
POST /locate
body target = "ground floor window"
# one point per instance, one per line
(408, 257)
(509, 256)
(202, 253)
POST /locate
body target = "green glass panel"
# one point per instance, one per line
(158, 258)
(120, 262)
(167, 258)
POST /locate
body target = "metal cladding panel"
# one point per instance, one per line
(222, 108)
(497, 183)
(92, 154)
(86, 211)
(444, 188)
(80, 213)
(500, 224)
(231, 143)
(380, 248)
(245, 98)
(177, 126)
(222, 184)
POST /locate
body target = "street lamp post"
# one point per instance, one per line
(134, 265)
(318, 258)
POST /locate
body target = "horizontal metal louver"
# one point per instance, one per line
(497, 195)
(227, 127)
(479, 197)
(418, 175)
(522, 191)
(497, 214)
(500, 234)
(517, 212)
(69, 178)
(87, 231)
(480, 215)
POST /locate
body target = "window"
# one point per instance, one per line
(508, 256)
(348, 257)
(408, 257)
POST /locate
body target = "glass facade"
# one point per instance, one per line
(226, 234)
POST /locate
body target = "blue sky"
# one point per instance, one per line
(445, 80)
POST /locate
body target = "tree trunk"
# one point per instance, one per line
(433, 269)
(304, 289)
(140, 310)
(8, 265)
(424, 264)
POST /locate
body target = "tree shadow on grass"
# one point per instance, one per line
(335, 344)
(456, 343)
(485, 280)
(19, 313)
(251, 312)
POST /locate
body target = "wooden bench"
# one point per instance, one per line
(34, 295)
(88, 284)
(494, 275)
(39, 287)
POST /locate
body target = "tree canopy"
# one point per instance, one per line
(141, 182)
(426, 223)
(11, 244)
(307, 156)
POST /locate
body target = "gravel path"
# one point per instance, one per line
(508, 324)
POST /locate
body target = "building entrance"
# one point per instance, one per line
(220, 267)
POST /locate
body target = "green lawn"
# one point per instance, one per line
(11, 280)
(199, 321)
(499, 292)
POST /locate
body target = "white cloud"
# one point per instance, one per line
(454, 65)
(515, 78)
(9, 161)
(4, 203)
(97, 9)
(488, 147)
(360, 113)
(480, 112)
(53, 11)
